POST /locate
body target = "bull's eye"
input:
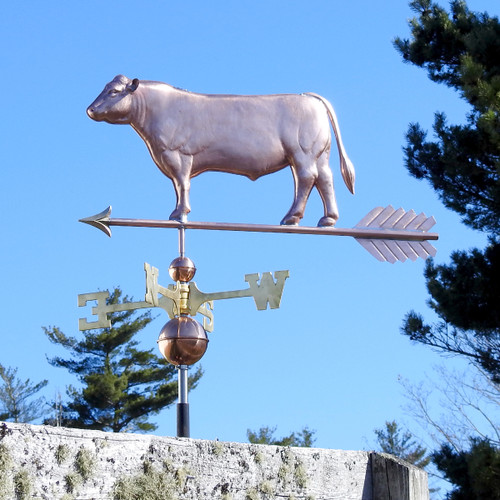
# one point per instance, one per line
(113, 92)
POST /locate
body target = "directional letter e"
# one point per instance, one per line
(267, 290)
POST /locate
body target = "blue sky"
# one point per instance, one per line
(330, 357)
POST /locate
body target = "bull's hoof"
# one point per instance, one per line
(291, 220)
(179, 217)
(327, 221)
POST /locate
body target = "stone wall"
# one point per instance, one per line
(56, 463)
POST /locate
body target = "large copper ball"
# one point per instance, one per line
(182, 341)
(182, 269)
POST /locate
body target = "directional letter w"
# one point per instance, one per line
(267, 290)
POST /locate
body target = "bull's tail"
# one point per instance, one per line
(346, 166)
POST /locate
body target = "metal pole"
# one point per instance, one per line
(182, 241)
(182, 372)
(183, 405)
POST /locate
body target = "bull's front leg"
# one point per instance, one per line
(180, 173)
(182, 207)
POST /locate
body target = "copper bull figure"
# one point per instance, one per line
(188, 133)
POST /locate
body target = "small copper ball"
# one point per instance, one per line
(182, 269)
(183, 341)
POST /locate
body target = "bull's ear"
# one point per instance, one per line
(132, 87)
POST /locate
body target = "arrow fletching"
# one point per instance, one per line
(393, 250)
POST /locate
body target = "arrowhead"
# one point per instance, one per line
(100, 221)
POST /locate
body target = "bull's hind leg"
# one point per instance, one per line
(304, 176)
(324, 184)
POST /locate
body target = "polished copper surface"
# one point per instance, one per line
(182, 341)
(182, 269)
(250, 135)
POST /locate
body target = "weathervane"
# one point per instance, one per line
(187, 134)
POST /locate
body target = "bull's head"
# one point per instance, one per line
(113, 104)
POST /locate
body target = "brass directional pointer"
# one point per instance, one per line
(185, 298)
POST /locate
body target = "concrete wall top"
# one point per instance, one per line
(58, 463)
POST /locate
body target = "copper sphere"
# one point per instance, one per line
(182, 269)
(182, 341)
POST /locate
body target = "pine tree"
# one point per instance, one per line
(121, 385)
(461, 49)
(476, 472)
(401, 445)
(15, 396)
(265, 435)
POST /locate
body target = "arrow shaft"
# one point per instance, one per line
(365, 233)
